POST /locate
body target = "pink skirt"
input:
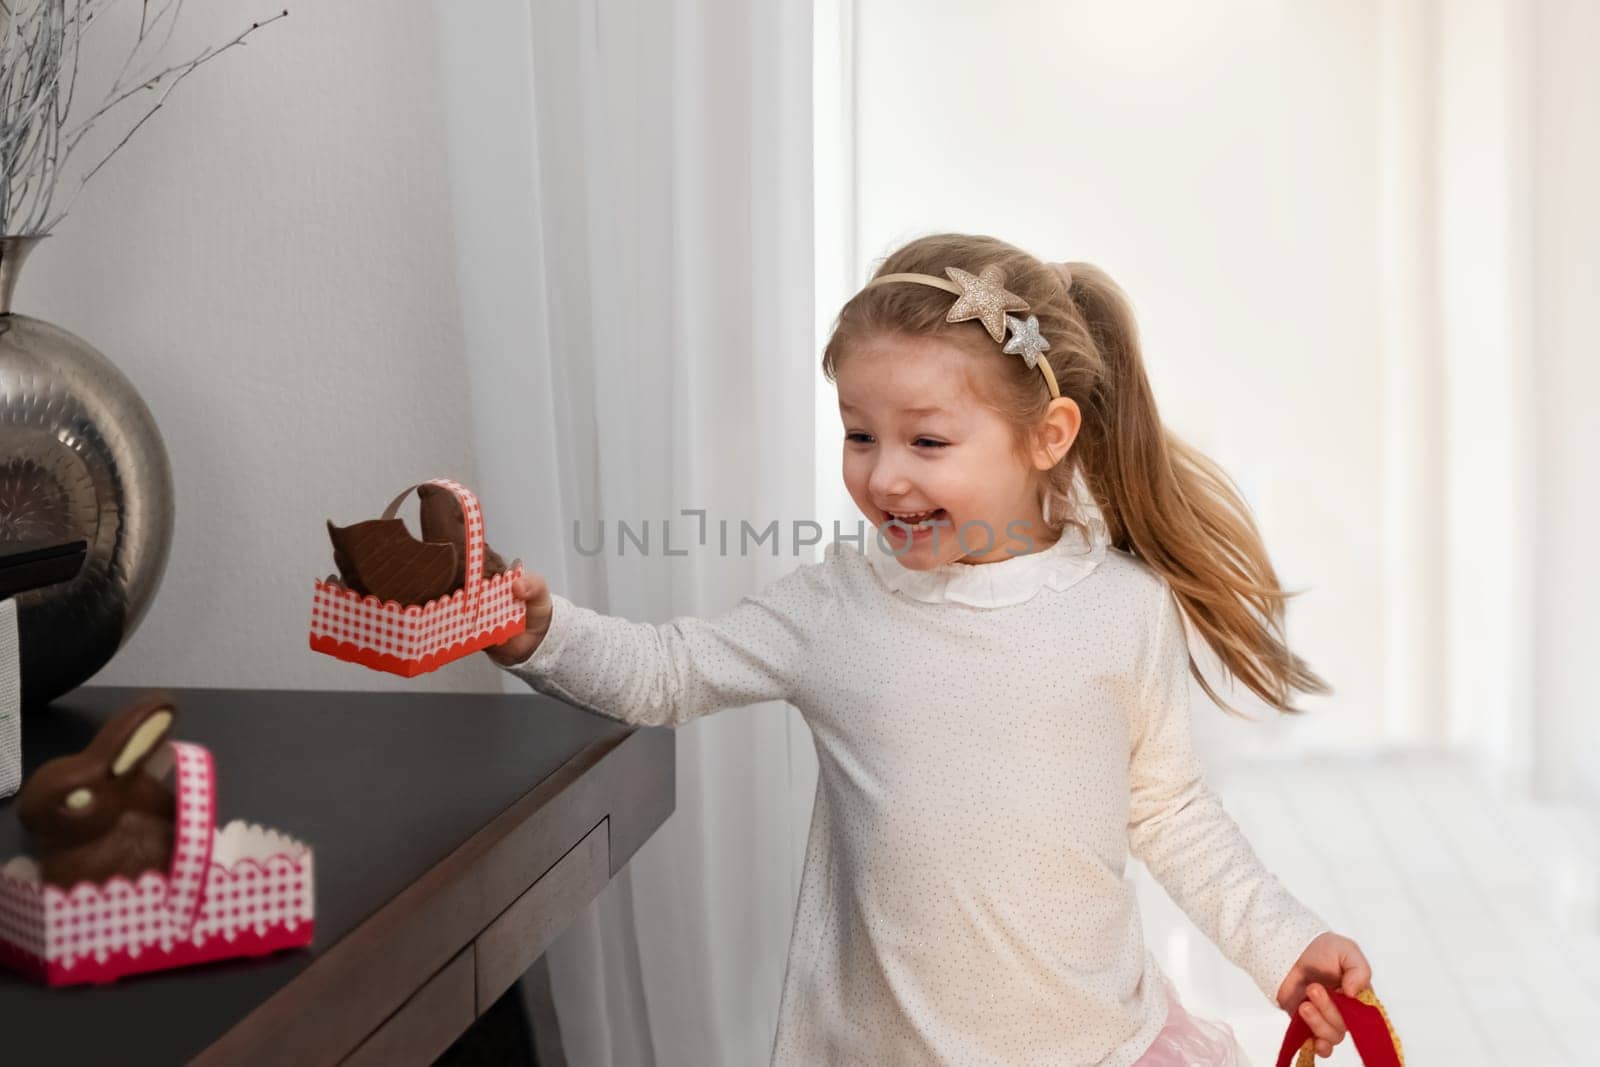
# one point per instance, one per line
(1192, 1041)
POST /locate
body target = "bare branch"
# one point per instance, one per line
(146, 25)
(77, 131)
(41, 46)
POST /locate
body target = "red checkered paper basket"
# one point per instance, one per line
(240, 891)
(409, 640)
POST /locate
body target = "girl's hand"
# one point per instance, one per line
(532, 589)
(1329, 962)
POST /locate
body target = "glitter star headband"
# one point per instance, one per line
(984, 297)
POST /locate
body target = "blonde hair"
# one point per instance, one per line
(1160, 499)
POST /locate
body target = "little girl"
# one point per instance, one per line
(997, 684)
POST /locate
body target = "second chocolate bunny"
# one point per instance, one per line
(442, 521)
(99, 813)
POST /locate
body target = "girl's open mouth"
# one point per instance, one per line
(902, 528)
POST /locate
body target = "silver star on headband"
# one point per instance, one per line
(1025, 340)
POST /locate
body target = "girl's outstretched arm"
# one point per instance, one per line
(1178, 827)
(665, 674)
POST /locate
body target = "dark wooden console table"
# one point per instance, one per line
(455, 837)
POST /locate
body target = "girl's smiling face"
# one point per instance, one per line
(917, 440)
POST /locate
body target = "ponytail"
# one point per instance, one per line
(1169, 505)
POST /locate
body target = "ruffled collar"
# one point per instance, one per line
(1000, 584)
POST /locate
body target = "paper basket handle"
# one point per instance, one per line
(196, 832)
(474, 522)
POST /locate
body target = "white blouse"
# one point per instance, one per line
(994, 740)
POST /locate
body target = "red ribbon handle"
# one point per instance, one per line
(1369, 1027)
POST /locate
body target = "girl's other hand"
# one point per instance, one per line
(1329, 962)
(532, 589)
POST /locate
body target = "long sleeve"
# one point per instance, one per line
(1178, 827)
(665, 674)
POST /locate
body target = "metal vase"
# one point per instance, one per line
(80, 456)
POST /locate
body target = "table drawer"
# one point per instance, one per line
(520, 934)
(425, 1025)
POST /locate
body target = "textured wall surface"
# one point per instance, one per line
(269, 260)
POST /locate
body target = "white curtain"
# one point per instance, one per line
(631, 189)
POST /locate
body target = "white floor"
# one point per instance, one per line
(1478, 912)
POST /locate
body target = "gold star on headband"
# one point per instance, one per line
(984, 297)
(1025, 339)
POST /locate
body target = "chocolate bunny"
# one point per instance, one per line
(442, 520)
(99, 813)
(381, 558)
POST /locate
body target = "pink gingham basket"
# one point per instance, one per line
(409, 640)
(240, 891)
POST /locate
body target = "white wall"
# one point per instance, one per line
(1492, 248)
(1221, 162)
(1565, 285)
(270, 261)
